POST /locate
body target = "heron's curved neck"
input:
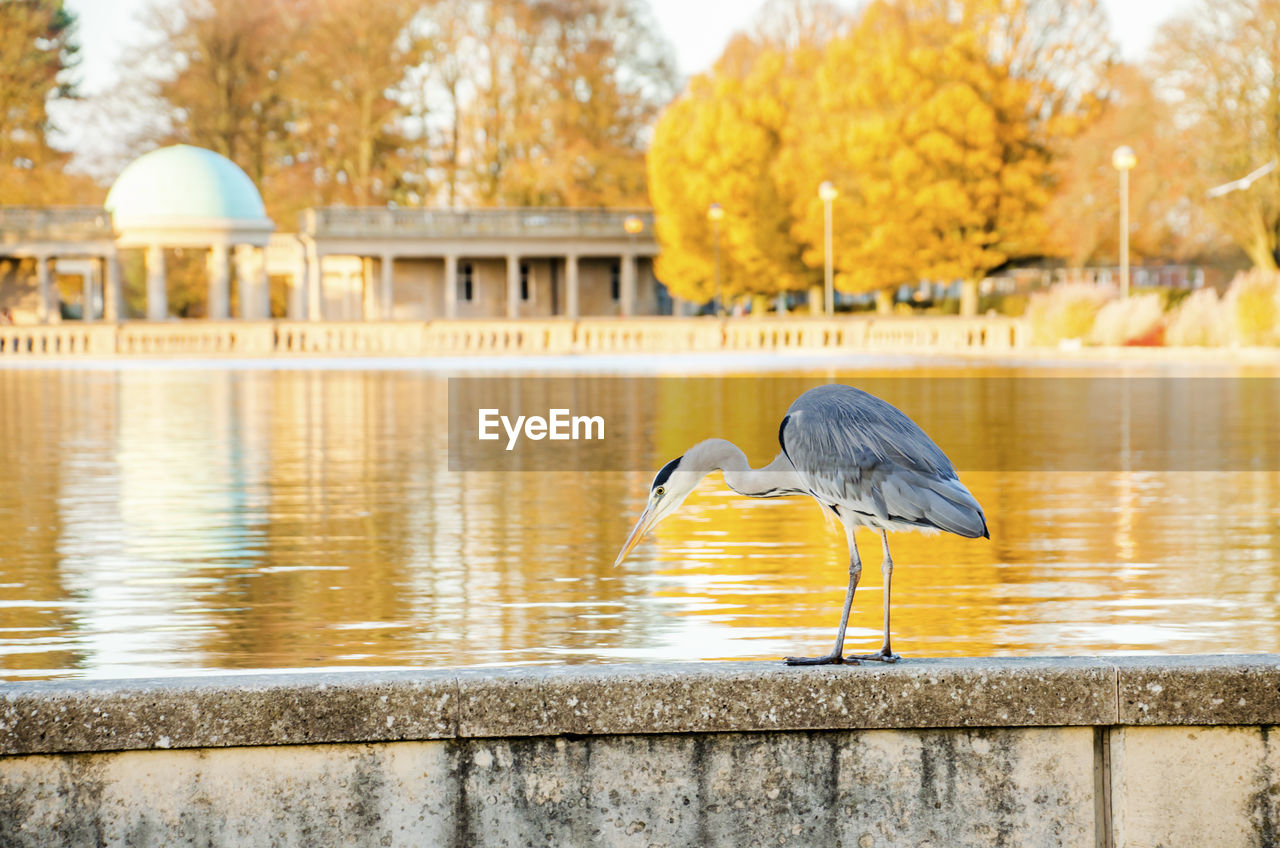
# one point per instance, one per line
(776, 479)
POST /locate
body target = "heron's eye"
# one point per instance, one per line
(659, 491)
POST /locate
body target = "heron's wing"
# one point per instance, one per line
(840, 429)
(931, 502)
(854, 450)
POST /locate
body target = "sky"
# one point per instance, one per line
(698, 29)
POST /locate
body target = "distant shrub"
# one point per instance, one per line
(1169, 297)
(1174, 297)
(1248, 315)
(1198, 321)
(1134, 320)
(1253, 308)
(1065, 311)
(1013, 305)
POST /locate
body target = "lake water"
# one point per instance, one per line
(182, 518)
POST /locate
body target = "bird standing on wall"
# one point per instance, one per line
(859, 457)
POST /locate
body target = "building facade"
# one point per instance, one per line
(343, 264)
(426, 264)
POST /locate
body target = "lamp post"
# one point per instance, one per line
(1244, 182)
(828, 193)
(1123, 160)
(715, 214)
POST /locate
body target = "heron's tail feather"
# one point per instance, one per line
(942, 503)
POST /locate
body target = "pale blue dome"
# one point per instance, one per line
(185, 182)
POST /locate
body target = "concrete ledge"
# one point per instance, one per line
(1203, 690)
(218, 712)
(382, 706)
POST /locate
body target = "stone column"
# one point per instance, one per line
(969, 296)
(513, 286)
(370, 292)
(450, 286)
(251, 283)
(89, 291)
(627, 285)
(157, 295)
(243, 275)
(219, 283)
(315, 282)
(112, 301)
(44, 312)
(571, 285)
(262, 283)
(815, 300)
(387, 288)
(297, 310)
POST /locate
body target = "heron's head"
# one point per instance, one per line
(670, 487)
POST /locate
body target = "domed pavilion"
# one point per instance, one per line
(192, 198)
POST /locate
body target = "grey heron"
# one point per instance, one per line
(859, 457)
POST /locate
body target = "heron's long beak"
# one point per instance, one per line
(637, 533)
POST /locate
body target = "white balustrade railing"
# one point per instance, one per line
(18, 340)
(545, 336)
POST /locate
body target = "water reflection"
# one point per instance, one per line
(165, 520)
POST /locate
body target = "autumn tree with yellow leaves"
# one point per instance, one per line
(544, 104)
(939, 173)
(369, 102)
(719, 144)
(37, 50)
(1167, 221)
(723, 142)
(1222, 61)
(937, 122)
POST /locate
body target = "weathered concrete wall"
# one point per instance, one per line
(1072, 752)
(1196, 785)
(417, 289)
(858, 788)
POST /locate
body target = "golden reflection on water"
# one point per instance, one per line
(160, 520)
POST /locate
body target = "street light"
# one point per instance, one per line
(634, 225)
(828, 193)
(1244, 182)
(715, 214)
(1123, 160)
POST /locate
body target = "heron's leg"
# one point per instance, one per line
(885, 654)
(837, 653)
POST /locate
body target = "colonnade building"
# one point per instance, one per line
(342, 264)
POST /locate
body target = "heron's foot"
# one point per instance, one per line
(829, 659)
(883, 655)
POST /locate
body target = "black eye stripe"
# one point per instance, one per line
(665, 473)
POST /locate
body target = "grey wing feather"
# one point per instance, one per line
(856, 450)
